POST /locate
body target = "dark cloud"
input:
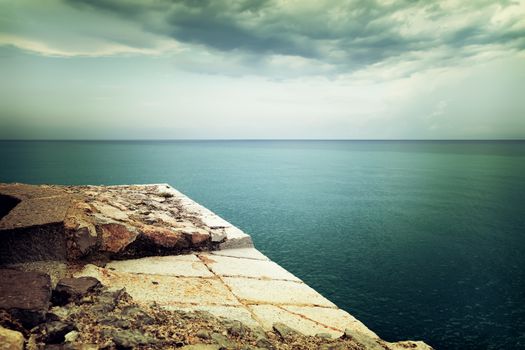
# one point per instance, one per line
(347, 35)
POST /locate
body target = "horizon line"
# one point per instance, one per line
(250, 139)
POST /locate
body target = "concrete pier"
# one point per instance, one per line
(165, 249)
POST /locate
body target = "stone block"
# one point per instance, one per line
(334, 318)
(255, 291)
(36, 212)
(180, 265)
(268, 315)
(240, 267)
(164, 290)
(236, 238)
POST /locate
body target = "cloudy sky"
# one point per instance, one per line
(190, 69)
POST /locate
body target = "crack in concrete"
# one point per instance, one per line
(262, 278)
(255, 318)
(307, 318)
(247, 302)
(237, 257)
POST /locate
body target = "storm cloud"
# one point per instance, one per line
(347, 35)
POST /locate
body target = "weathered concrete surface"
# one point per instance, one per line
(271, 314)
(259, 295)
(179, 265)
(335, 318)
(36, 212)
(278, 292)
(226, 266)
(72, 222)
(164, 290)
(247, 253)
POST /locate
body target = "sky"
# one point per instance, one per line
(262, 69)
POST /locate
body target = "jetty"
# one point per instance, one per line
(72, 255)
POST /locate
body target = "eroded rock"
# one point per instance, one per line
(53, 332)
(365, 340)
(164, 237)
(222, 341)
(100, 222)
(11, 340)
(25, 295)
(283, 330)
(125, 339)
(116, 237)
(72, 289)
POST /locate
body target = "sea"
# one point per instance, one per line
(417, 239)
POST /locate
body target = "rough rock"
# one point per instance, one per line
(115, 321)
(222, 341)
(283, 330)
(409, 344)
(116, 237)
(138, 315)
(11, 340)
(81, 233)
(72, 289)
(264, 343)
(53, 332)
(110, 211)
(366, 341)
(71, 336)
(25, 295)
(164, 237)
(196, 235)
(82, 239)
(236, 328)
(97, 222)
(7, 321)
(203, 334)
(58, 313)
(125, 339)
(108, 300)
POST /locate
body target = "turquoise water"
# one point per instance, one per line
(419, 240)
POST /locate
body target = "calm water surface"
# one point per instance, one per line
(419, 240)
